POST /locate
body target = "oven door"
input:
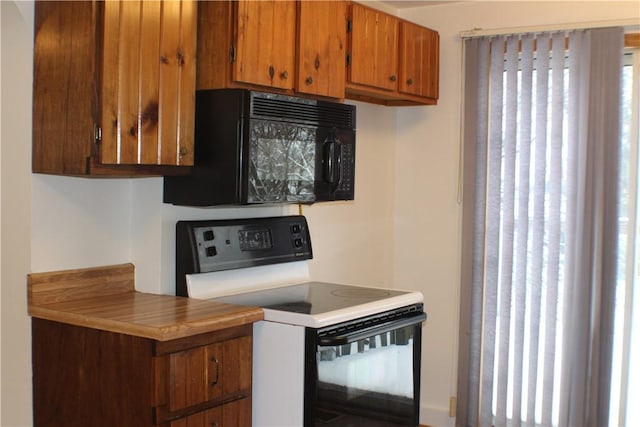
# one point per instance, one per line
(365, 372)
(295, 163)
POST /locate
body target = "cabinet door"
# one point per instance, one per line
(321, 48)
(265, 43)
(148, 82)
(419, 53)
(64, 86)
(209, 372)
(234, 414)
(374, 48)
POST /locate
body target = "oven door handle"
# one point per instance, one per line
(369, 332)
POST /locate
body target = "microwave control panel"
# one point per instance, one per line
(216, 245)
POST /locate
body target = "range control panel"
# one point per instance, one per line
(215, 245)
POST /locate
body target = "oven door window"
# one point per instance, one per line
(281, 163)
(369, 382)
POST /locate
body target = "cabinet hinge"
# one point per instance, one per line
(348, 58)
(232, 54)
(97, 133)
(348, 25)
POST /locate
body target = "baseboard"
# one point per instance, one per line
(431, 416)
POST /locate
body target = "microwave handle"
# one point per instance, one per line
(332, 161)
(369, 332)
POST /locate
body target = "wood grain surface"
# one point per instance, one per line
(105, 298)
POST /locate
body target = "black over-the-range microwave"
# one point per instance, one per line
(253, 147)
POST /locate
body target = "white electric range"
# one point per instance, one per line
(326, 353)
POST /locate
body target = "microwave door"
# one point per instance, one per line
(281, 162)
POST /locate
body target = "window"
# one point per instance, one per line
(626, 368)
(540, 230)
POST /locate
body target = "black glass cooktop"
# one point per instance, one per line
(312, 297)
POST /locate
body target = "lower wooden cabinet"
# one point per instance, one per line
(234, 414)
(84, 376)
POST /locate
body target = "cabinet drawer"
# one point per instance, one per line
(211, 372)
(234, 414)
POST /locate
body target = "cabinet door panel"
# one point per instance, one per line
(265, 37)
(149, 47)
(187, 83)
(148, 82)
(229, 366)
(64, 69)
(374, 48)
(418, 60)
(234, 414)
(187, 378)
(209, 372)
(321, 48)
(111, 117)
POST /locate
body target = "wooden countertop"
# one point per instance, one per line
(105, 298)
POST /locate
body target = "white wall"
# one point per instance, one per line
(16, 211)
(427, 249)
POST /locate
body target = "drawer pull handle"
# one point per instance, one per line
(214, 360)
(213, 424)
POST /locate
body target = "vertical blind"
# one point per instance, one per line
(539, 227)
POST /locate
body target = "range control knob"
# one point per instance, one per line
(212, 251)
(295, 228)
(297, 243)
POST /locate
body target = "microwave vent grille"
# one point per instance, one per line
(312, 112)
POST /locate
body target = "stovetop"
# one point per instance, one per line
(262, 262)
(319, 304)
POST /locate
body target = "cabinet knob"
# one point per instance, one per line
(213, 424)
(316, 64)
(409, 81)
(284, 75)
(272, 72)
(309, 80)
(393, 78)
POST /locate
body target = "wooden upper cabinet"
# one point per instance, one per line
(265, 43)
(286, 46)
(419, 60)
(322, 34)
(374, 48)
(246, 43)
(114, 87)
(392, 61)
